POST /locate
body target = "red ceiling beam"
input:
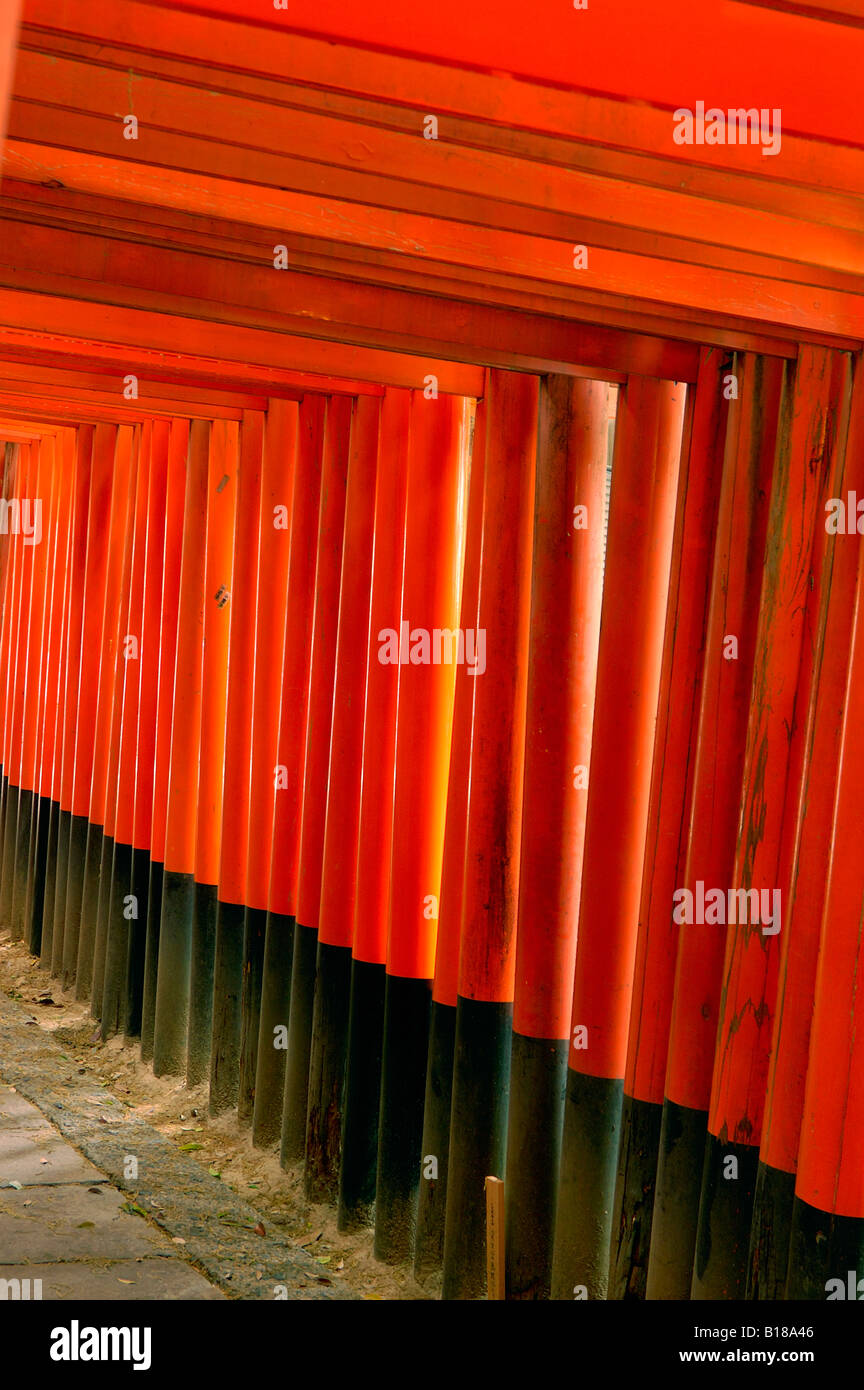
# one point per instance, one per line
(726, 54)
(645, 279)
(80, 354)
(319, 154)
(189, 400)
(124, 327)
(9, 14)
(507, 109)
(339, 264)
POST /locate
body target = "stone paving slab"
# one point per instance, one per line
(18, 1113)
(34, 1159)
(219, 1231)
(41, 1224)
(153, 1279)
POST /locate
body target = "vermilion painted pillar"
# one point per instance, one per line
(342, 825)
(288, 777)
(668, 824)
(638, 554)
(52, 753)
(328, 570)
(826, 1255)
(170, 1035)
(94, 580)
(37, 545)
(175, 499)
(430, 650)
(221, 519)
(121, 906)
(15, 486)
(274, 551)
(148, 674)
(8, 557)
(76, 594)
(47, 703)
(233, 854)
(232, 896)
(478, 1127)
(118, 539)
(19, 824)
(357, 1172)
(727, 669)
(435, 1146)
(804, 870)
(115, 733)
(566, 594)
(750, 965)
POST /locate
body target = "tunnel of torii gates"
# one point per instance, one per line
(453, 810)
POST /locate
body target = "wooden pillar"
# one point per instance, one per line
(747, 1000)
(638, 554)
(805, 863)
(566, 596)
(736, 583)
(288, 777)
(429, 652)
(481, 1069)
(668, 823)
(358, 1168)
(274, 549)
(328, 570)
(329, 1036)
(218, 584)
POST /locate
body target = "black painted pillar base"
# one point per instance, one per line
(117, 940)
(589, 1161)
(201, 984)
(303, 970)
(400, 1126)
(362, 1096)
(254, 932)
(678, 1188)
(435, 1145)
(21, 864)
(137, 945)
(478, 1139)
(171, 1027)
(4, 790)
(64, 829)
(78, 828)
(633, 1207)
(46, 935)
(826, 1255)
(151, 958)
(538, 1079)
(770, 1232)
(7, 867)
(100, 938)
(327, 1058)
(40, 856)
(275, 1012)
(227, 1007)
(725, 1214)
(89, 912)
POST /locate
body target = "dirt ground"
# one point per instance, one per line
(180, 1113)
